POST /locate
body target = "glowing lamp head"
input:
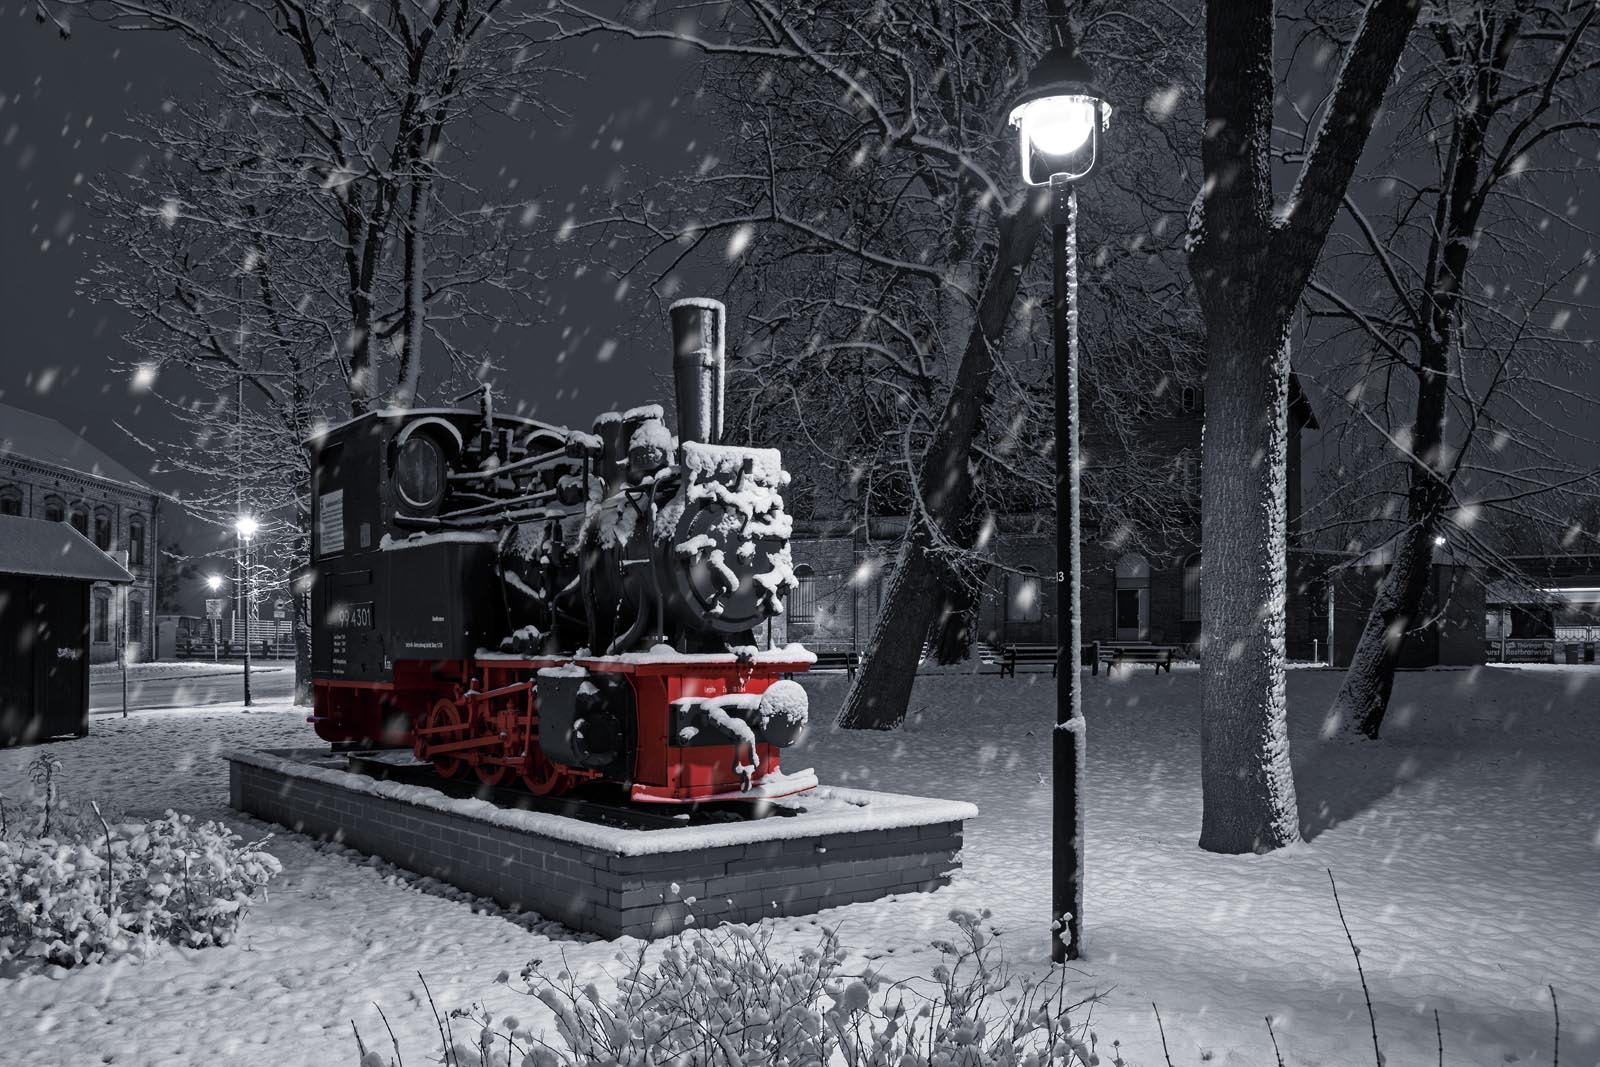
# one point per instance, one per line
(1056, 125)
(1438, 539)
(213, 582)
(247, 526)
(1059, 115)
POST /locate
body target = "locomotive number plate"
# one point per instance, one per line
(351, 616)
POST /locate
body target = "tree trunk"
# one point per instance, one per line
(882, 689)
(410, 371)
(1246, 780)
(878, 699)
(1250, 263)
(1364, 695)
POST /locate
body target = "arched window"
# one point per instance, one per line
(136, 541)
(10, 500)
(1133, 598)
(80, 519)
(55, 509)
(1023, 602)
(1191, 588)
(803, 597)
(1189, 396)
(101, 617)
(135, 621)
(102, 529)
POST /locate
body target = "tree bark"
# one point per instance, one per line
(1250, 263)
(1246, 781)
(882, 689)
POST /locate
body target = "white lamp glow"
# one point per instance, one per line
(247, 526)
(1056, 125)
(214, 582)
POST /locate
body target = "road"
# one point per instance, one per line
(271, 682)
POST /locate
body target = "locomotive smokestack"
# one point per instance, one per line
(698, 330)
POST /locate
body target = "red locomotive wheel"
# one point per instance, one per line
(543, 778)
(493, 773)
(445, 716)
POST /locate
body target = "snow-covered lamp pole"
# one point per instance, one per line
(246, 526)
(1059, 115)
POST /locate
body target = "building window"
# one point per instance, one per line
(135, 621)
(102, 616)
(102, 529)
(1191, 588)
(10, 501)
(54, 509)
(1132, 604)
(136, 541)
(1189, 397)
(803, 597)
(80, 519)
(1023, 602)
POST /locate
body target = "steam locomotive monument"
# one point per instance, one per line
(582, 619)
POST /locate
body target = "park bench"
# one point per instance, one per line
(834, 660)
(1026, 655)
(1158, 656)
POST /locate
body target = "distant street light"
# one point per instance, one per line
(1059, 115)
(246, 525)
(213, 583)
(1438, 540)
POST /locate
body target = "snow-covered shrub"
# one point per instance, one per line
(75, 887)
(722, 999)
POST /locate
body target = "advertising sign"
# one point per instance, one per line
(1530, 650)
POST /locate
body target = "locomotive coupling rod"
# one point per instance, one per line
(506, 690)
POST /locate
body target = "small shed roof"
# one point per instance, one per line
(54, 550)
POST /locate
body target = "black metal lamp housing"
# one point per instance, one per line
(1059, 116)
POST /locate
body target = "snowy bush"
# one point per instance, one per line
(722, 999)
(75, 887)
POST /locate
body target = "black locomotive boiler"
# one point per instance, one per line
(529, 603)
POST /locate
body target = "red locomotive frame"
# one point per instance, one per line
(479, 717)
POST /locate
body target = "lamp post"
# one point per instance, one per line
(246, 526)
(1059, 116)
(213, 583)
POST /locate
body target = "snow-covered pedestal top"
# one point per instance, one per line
(823, 811)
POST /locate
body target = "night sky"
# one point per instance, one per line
(630, 114)
(63, 104)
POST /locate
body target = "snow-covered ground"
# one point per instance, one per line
(164, 669)
(1466, 845)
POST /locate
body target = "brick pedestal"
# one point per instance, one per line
(844, 846)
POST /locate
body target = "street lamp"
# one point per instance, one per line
(213, 583)
(247, 527)
(1059, 116)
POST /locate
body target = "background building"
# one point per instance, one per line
(1126, 595)
(49, 472)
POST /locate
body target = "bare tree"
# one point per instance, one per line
(869, 199)
(307, 224)
(1467, 377)
(1251, 259)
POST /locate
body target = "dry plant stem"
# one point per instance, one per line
(1274, 1037)
(111, 870)
(1377, 1053)
(361, 1046)
(1555, 1054)
(1439, 1032)
(1163, 1032)
(437, 1020)
(399, 1061)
